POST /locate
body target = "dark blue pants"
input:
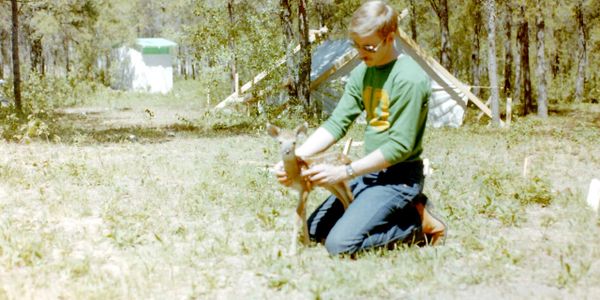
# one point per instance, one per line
(381, 214)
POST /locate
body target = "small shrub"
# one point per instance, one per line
(534, 191)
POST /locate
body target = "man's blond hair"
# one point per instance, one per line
(374, 16)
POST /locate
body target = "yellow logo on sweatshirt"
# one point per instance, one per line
(377, 105)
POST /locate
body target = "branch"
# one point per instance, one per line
(435, 7)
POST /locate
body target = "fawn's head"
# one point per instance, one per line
(287, 139)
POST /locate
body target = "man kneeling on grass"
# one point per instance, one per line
(387, 184)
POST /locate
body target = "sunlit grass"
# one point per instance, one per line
(196, 213)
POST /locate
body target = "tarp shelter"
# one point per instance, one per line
(148, 66)
(333, 60)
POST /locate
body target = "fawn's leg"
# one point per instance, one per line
(301, 212)
(342, 192)
(300, 220)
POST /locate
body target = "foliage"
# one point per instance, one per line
(41, 97)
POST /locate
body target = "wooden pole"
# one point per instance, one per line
(435, 70)
(508, 111)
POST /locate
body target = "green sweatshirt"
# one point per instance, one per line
(395, 98)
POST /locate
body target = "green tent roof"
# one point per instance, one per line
(155, 45)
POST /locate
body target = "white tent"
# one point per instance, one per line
(147, 66)
(338, 58)
(333, 60)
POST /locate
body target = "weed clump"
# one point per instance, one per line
(505, 195)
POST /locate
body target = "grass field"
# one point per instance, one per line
(155, 197)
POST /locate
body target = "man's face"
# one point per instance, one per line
(373, 49)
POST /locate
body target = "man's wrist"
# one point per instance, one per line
(350, 171)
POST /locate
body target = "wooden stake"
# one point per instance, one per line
(526, 165)
(508, 111)
(593, 197)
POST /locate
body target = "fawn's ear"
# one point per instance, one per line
(272, 130)
(301, 129)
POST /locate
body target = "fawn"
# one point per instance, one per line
(293, 166)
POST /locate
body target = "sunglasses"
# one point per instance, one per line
(368, 48)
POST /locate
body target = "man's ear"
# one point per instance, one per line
(301, 129)
(390, 37)
(272, 130)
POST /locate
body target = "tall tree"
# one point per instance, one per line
(508, 55)
(523, 47)
(492, 64)
(324, 10)
(581, 52)
(441, 10)
(231, 41)
(305, 55)
(3, 51)
(285, 15)
(542, 96)
(413, 20)
(15, 55)
(476, 52)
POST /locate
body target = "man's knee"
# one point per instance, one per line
(337, 245)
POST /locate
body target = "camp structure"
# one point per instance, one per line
(333, 60)
(147, 66)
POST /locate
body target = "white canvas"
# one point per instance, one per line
(151, 73)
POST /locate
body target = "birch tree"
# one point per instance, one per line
(476, 52)
(440, 7)
(231, 42)
(492, 65)
(581, 52)
(542, 95)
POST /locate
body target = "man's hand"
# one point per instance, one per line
(281, 174)
(326, 174)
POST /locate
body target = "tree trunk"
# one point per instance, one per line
(523, 40)
(67, 58)
(324, 10)
(184, 69)
(3, 51)
(581, 53)
(517, 92)
(193, 69)
(233, 63)
(476, 53)
(413, 20)
(36, 55)
(492, 65)
(542, 99)
(508, 60)
(305, 56)
(441, 9)
(285, 15)
(107, 77)
(15, 56)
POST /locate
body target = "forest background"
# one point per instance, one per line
(546, 54)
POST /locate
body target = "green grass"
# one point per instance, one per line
(188, 209)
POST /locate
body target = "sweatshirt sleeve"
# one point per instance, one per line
(348, 108)
(408, 114)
